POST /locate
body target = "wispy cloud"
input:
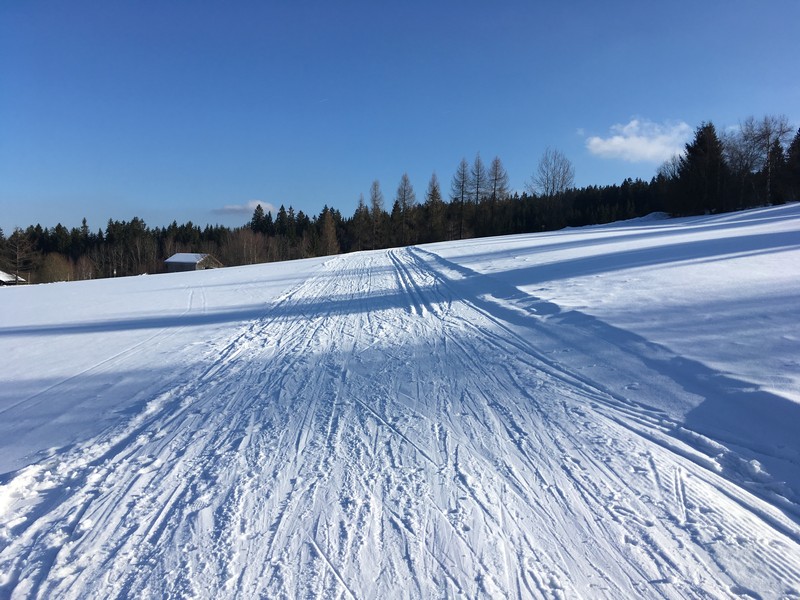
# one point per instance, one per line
(641, 140)
(245, 209)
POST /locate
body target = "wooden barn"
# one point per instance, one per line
(187, 261)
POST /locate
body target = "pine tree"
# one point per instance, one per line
(361, 225)
(329, 243)
(702, 175)
(291, 224)
(775, 173)
(85, 234)
(434, 211)
(282, 222)
(3, 249)
(258, 222)
(791, 171)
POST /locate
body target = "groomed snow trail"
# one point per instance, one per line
(380, 432)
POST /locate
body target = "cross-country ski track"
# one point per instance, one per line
(398, 425)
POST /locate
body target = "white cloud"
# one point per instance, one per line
(245, 209)
(641, 140)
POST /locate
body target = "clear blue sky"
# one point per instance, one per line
(176, 110)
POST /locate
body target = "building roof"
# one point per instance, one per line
(188, 258)
(9, 278)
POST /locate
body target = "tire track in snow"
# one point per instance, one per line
(749, 503)
(379, 427)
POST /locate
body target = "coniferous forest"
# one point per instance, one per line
(758, 164)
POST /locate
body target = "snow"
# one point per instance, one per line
(599, 412)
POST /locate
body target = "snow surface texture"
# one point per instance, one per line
(603, 412)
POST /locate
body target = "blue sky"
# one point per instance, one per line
(193, 111)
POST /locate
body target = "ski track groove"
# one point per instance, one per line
(424, 437)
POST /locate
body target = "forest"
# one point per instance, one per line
(757, 164)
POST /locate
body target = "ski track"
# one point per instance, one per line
(379, 433)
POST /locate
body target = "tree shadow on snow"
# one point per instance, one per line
(750, 433)
(662, 255)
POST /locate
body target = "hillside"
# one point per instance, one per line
(600, 412)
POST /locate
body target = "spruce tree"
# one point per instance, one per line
(775, 174)
(791, 170)
(328, 240)
(258, 222)
(702, 175)
(361, 225)
(2, 248)
(434, 211)
(282, 222)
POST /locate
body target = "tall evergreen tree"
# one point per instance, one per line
(291, 224)
(792, 168)
(329, 241)
(434, 211)
(258, 223)
(361, 225)
(3, 250)
(702, 174)
(775, 174)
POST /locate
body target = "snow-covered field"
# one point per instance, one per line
(602, 412)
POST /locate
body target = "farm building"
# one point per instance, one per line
(187, 261)
(9, 279)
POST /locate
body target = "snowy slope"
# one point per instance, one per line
(601, 413)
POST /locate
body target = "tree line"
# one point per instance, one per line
(756, 164)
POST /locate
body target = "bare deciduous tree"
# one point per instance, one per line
(459, 191)
(497, 187)
(478, 180)
(406, 199)
(376, 212)
(21, 254)
(669, 169)
(773, 131)
(749, 150)
(498, 180)
(554, 175)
